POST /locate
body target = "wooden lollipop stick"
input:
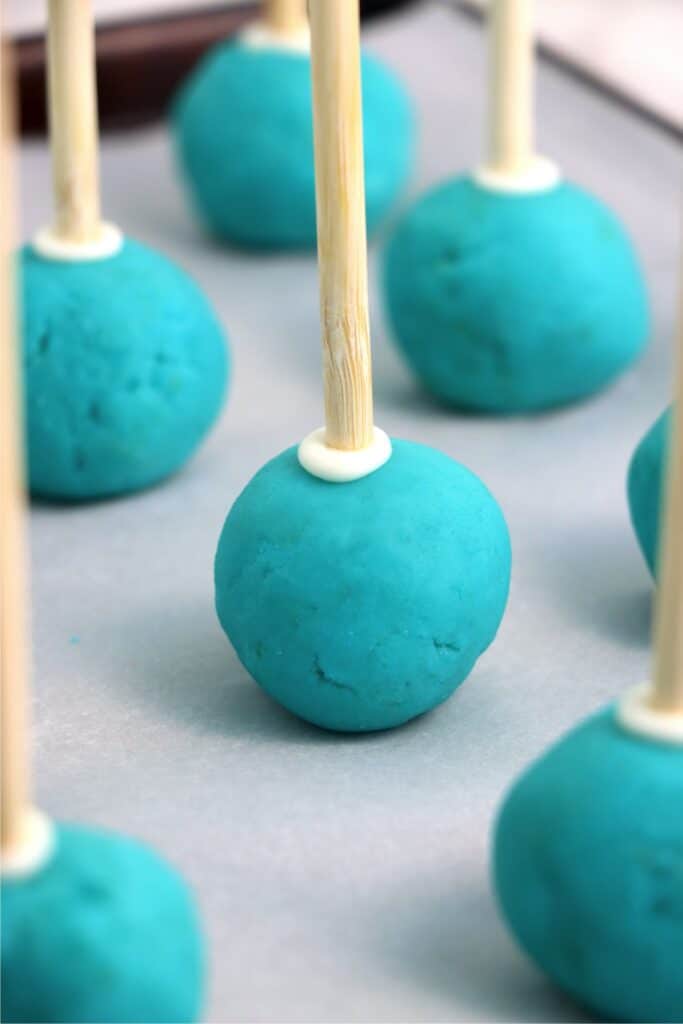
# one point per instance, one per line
(667, 692)
(13, 652)
(285, 16)
(511, 69)
(73, 120)
(342, 243)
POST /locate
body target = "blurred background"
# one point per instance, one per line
(626, 45)
(146, 46)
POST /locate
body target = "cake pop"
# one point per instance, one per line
(358, 579)
(644, 487)
(588, 860)
(511, 290)
(125, 361)
(94, 927)
(242, 126)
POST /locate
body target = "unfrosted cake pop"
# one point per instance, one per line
(242, 126)
(358, 578)
(644, 487)
(588, 858)
(511, 290)
(94, 927)
(125, 361)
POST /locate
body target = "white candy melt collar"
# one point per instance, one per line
(34, 850)
(338, 466)
(636, 714)
(260, 37)
(48, 245)
(541, 176)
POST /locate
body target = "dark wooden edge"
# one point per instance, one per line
(139, 64)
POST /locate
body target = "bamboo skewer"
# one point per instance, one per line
(656, 709)
(511, 91)
(13, 650)
(286, 17)
(73, 121)
(667, 690)
(512, 165)
(342, 242)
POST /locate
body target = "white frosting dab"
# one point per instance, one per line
(47, 244)
(636, 714)
(259, 36)
(542, 175)
(34, 850)
(338, 466)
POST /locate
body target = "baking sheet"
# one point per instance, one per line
(346, 879)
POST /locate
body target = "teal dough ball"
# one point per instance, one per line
(244, 139)
(361, 605)
(125, 369)
(646, 475)
(104, 932)
(512, 303)
(588, 868)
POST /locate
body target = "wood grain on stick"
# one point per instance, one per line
(511, 88)
(72, 110)
(13, 649)
(342, 242)
(668, 672)
(286, 17)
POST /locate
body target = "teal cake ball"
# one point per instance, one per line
(646, 476)
(125, 369)
(104, 932)
(243, 131)
(361, 605)
(512, 303)
(588, 867)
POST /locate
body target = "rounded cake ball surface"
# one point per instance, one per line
(244, 137)
(644, 487)
(361, 605)
(104, 932)
(125, 368)
(512, 303)
(588, 867)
